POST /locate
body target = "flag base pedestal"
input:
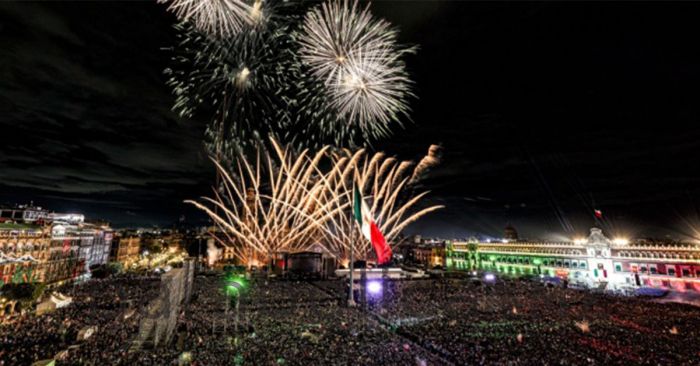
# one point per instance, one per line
(379, 273)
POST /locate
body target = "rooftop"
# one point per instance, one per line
(15, 226)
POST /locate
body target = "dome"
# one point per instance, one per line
(510, 233)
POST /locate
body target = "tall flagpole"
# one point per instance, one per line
(351, 297)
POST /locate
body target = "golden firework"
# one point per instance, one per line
(282, 201)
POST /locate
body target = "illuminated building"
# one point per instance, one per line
(23, 252)
(430, 255)
(75, 247)
(63, 263)
(37, 245)
(95, 244)
(596, 261)
(126, 249)
(67, 218)
(28, 214)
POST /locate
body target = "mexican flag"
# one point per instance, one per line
(369, 228)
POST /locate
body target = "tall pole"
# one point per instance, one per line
(199, 254)
(238, 298)
(351, 298)
(228, 300)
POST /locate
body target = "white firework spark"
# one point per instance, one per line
(384, 181)
(223, 18)
(372, 93)
(283, 201)
(338, 32)
(270, 203)
(357, 59)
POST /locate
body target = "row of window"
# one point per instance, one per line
(28, 247)
(653, 270)
(547, 262)
(659, 255)
(519, 270)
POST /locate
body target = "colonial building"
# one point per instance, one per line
(37, 245)
(595, 262)
(95, 244)
(63, 262)
(430, 255)
(126, 249)
(75, 247)
(24, 248)
(28, 214)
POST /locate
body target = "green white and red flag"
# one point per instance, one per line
(369, 228)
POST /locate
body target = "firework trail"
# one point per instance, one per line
(384, 180)
(274, 203)
(429, 161)
(282, 201)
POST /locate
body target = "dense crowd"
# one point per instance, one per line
(100, 303)
(412, 322)
(524, 323)
(291, 323)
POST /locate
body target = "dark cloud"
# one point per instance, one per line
(544, 111)
(562, 107)
(87, 115)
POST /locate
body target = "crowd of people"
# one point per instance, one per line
(290, 323)
(110, 306)
(524, 323)
(406, 322)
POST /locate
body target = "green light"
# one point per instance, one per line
(234, 284)
(238, 360)
(537, 262)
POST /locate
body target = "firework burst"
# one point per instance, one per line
(385, 181)
(372, 93)
(272, 203)
(357, 61)
(282, 201)
(239, 84)
(223, 18)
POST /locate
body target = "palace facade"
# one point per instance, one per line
(41, 246)
(24, 248)
(595, 261)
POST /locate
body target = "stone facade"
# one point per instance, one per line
(595, 261)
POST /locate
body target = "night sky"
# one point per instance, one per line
(545, 112)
